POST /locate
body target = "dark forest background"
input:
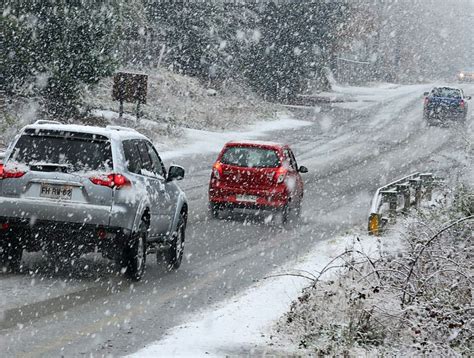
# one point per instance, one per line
(278, 49)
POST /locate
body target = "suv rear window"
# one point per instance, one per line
(446, 92)
(77, 153)
(251, 157)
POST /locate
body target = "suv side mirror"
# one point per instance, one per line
(302, 169)
(175, 172)
(426, 93)
(468, 97)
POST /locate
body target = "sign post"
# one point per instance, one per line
(130, 87)
(121, 109)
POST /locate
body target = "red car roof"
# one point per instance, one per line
(255, 143)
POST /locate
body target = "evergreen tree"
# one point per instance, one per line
(18, 57)
(69, 44)
(190, 32)
(294, 42)
(76, 48)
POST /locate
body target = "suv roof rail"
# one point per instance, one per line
(120, 128)
(45, 121)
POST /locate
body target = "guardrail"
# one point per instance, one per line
(405, 192)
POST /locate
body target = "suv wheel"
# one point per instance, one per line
(10, 256)
(134, 255)
(174, 254)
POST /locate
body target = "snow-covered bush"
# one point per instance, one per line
(417, 300)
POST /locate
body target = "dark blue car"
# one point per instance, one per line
(444, 104)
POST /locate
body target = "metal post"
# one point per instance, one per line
(138, 110)
(391, 197)
(393, 206)
(404, 189)
(416, 184)
(121, 109)
(427, 181)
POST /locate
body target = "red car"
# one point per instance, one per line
(258, 175)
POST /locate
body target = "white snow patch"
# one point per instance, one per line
(201, 142)
(112, 115)
(247, 319)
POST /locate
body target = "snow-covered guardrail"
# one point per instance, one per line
(399, 195)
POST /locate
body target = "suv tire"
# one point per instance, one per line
(134, 254)
(174, 254)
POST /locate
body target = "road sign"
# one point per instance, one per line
(130, 87)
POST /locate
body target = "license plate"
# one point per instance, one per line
(60, 192)
(246, 198)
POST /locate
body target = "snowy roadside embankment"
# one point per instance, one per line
(181, 101)
(174, 102)
(417, 302)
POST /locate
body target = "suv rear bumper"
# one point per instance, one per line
(71, 238)
(446, 118)
(61, 211)
(445, 113)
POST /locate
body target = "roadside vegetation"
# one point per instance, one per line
(415, 301)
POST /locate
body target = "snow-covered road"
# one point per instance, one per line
(243, 324)
(350, 150)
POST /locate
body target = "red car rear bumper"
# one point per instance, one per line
(275, 197)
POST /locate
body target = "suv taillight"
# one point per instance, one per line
(10, 173)
(116, 181)
(427, 100)
(461, 103)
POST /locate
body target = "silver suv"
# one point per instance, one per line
(68, 190)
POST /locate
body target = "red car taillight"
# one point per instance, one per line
(427, 100)
(10, 173)
(116, 181)
(461, 103)
(280, 175)
(217, 171)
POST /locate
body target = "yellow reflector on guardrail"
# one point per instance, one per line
(374, 224)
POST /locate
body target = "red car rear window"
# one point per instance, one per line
(250, 157)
